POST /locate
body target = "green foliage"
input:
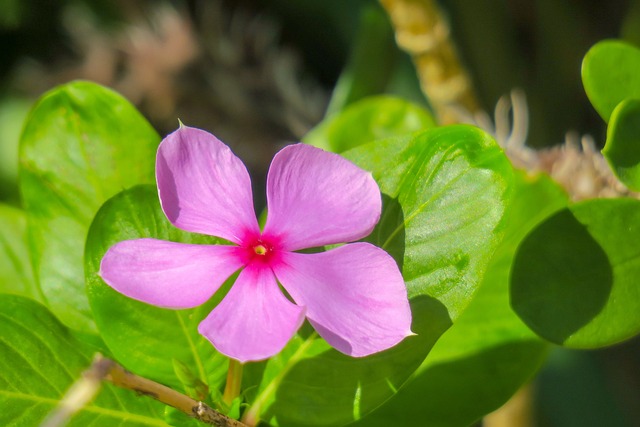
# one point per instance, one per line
(13, 112)
(144, 338)
(610, 75)
(611, 80)
(488, 353)
(177, 418)
(591, 262)
(371, 61)
(40, 360)
(369, 120)
(81, 144)
(493, 264)
(445, 192)
(574, 277)
(622, 150)
(15, 267)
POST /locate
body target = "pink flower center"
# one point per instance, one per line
(260, 250)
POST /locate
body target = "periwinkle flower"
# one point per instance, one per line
(353, 295)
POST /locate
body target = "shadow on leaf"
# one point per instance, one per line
(561, 278)
(333, 388)
(457, 392)
(389, 233)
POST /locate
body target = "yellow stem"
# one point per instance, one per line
(422, 31)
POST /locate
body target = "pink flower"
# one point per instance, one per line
(353, 295)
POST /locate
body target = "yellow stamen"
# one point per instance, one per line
(260, 249)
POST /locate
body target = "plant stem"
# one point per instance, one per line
(198, 410)
(102, 368)
(423, 33)
(252, 416)
(234, 382)
(83, 391)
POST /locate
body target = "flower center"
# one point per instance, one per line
(260, 249)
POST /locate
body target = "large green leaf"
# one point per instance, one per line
(574, 278)
(16, 275)
(445, 192)
(144, 338)
(40, 360)
(610, 75)
(369, 120)
(622, 149)
(488, 353)
(81, 144)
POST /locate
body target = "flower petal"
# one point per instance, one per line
(204, 187)
(255, 320)
(168, 274)
(316, 198)
(355, 296)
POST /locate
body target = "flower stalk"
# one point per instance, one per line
(234, 382)
(252, 416)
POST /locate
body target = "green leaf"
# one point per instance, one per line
(177, 418)
(488, 353)
(369, 120)
(445, 192)
(40, 360)
(622, 149)
(144, 338)
(13, 112)
(610, 75)
(371, 62)
(16, 276)
(81, 144)
(574, 279)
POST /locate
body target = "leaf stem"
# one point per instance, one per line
(102, 368)
(234, 382)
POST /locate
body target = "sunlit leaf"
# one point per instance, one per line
(13, 112)
(610, 75)
(16, 276)
(82, 144)
(622, 149)
(40, 360)
(369, 120)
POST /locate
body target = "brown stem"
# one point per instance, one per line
(85, 389)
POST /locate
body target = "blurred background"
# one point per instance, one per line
(260, 74)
